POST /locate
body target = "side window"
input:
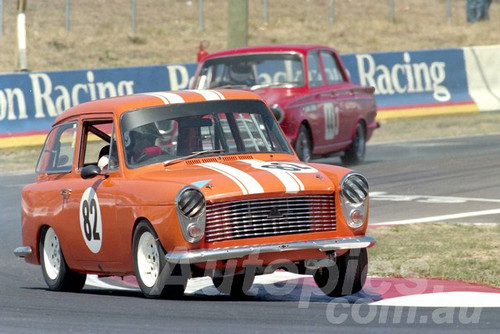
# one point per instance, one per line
(333, 74)
(99, 145)
(315, 78)
(59, 149)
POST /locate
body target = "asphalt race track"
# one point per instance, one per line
(453, 180)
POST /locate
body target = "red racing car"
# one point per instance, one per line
(308, 90)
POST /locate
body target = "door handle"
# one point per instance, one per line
(65, 193)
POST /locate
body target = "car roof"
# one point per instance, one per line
(301, 48)
(119, 105)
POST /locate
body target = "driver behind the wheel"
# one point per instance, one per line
(141, 143)
(241, 74)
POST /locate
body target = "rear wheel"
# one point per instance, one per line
(346, 277)
(57, 274)
(303, 146)
(355, 154)
(156, 277)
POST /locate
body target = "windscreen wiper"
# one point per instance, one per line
(192, 155)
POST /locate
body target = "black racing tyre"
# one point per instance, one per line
(346, 277)
(303, 145)
(355, 154)
(156, 277)
(57, 274)
(237, 285)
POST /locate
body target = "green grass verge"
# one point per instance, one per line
(431, 127)
(22, 159)
(465, 252)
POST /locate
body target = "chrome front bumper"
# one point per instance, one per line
(23, 251)
(324, 245)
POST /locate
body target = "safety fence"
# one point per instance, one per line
(407, 84)
(263, 8)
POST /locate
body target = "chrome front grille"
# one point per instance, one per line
(270, 216)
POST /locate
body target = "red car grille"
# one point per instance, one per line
(271, 216)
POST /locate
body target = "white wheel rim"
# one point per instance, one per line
(52, 254)
(148, 259)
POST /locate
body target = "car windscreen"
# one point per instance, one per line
(252, 71)
(175, 131)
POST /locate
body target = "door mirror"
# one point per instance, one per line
(90, 171)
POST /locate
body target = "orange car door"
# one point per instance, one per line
(91, 202)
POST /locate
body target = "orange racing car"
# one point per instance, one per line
(172, 185)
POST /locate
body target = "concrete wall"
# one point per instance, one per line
(482, 65)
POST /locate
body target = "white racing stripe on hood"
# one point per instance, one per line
(209, 95)
(247, 183)
(167, 98)
(299, 183)
(291, 182)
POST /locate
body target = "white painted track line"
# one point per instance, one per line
(441, 218)
(445, 299)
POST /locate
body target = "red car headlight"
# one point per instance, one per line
(278, 112)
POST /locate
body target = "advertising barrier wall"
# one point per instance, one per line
(30, 102)
(414, 83)
(407, 84)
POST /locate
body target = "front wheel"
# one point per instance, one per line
(303, 146)
(346, 277)
(355, 154)
(156, 277)
(57, 274)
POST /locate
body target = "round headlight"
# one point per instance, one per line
(191, 202)
(355, 188)
(191, 213)
(354, 198)
(278, 113)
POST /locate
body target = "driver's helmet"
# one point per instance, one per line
(148, 132)
(241, 73)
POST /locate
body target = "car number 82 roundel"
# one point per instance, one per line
(90, 220)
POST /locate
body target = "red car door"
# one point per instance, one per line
(315, 110)
(340, 106)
